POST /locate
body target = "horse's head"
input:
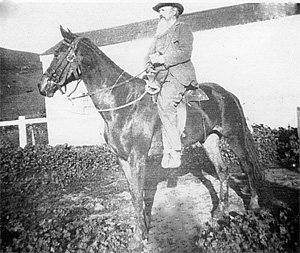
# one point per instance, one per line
(64, 68)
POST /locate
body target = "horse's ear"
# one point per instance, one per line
(63, 32)
(68, 35)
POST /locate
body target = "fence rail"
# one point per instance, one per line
(21, 122)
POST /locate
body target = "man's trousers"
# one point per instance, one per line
(170, 96)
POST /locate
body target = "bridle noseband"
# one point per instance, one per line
(65, 66)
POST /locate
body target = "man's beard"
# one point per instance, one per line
(163, 25)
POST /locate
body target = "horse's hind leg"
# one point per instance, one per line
(211, 147)
(244, 149)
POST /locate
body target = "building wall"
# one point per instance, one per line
(75, 123)
(258, 62)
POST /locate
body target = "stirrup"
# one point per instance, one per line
(152, 90)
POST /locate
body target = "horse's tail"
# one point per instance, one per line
(233, 111)
(257, 171)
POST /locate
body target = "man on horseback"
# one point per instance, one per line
(169, 59)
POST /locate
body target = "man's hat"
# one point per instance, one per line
(177, 5)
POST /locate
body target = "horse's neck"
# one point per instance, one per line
(108, 86)
(99, 75)
(101, 72)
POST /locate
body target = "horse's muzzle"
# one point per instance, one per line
(46, 87)
(42, 92)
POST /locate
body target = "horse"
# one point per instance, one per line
(133, 127)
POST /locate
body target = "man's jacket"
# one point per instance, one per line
(176, 46)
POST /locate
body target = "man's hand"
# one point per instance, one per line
(157, 58)
(150, 68)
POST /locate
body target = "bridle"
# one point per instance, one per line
(69, 64)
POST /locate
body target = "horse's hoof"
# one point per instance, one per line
(218, 213)
(254, 204)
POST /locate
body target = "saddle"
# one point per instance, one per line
(191, 112)
(195, 95)
(190, 121)
(188, 108)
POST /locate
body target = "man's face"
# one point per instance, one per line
(166, 12)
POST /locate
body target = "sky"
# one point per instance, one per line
(33, 26)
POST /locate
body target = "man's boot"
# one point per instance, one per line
(171, 159)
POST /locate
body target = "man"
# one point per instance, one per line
(170, 57)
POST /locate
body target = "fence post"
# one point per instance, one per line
(22, 132)
(32, 135)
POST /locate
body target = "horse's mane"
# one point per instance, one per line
(134, 83)
(87, 42)
(91, 45)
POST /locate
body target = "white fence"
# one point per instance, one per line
(21, 123)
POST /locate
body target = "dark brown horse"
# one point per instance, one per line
(132, 125)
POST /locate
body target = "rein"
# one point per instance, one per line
(109, 88)
(116, 85)
(123, 106)
(71, 57)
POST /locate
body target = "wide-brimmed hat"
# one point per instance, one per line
(177, 5)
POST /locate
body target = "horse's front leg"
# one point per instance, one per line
(134, 169)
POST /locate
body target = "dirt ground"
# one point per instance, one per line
(179, 212)
(183, 203)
